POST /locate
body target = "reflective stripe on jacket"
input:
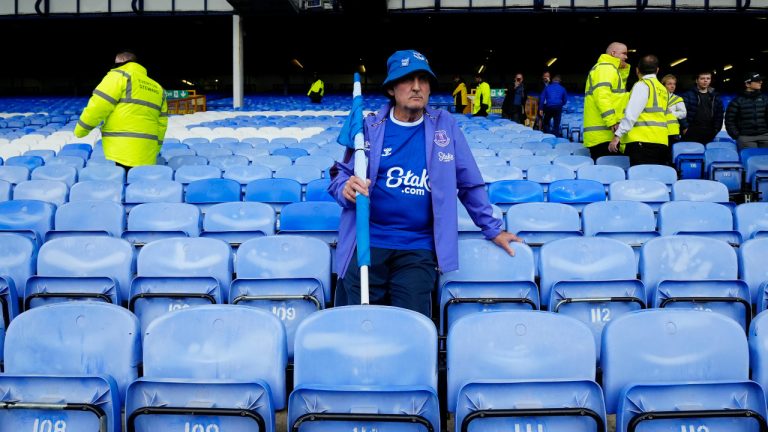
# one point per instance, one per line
(651, 125)
(673, 125)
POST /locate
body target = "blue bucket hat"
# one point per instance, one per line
(404, 63)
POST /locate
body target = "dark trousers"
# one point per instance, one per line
(552, 116)
(600, 150)
(483, 112)
(315, 97)
(125, 167)
(647, 153)
(402, 278)
(699, 135)
(459, 109)
(516, 114)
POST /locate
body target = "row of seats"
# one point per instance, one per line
(375, 367)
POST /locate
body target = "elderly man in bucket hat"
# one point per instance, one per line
(419, 162)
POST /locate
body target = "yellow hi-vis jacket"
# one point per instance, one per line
(460, 94)
(482, 96)
(673, 124)
(317, 86)
(135, 115)
(651, 125)
(605, 97)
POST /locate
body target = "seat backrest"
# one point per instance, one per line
(373, 341)
(719, 154)
(52, 191)
(576, 191)
(150, 172)
(75, 338)
(542, 217)
(686, 258)
(245, 174)
(14, 174)
(682, 216)
(62, 173)
(189, 173)
(752, 220)
(481, 260)
(310, 216)
(218, 342)
(214, 190)
(699, 190)
(157, 191)
(573, 162)
(618, 216)
(639, 190)
(662, 173)
(102, 173)
(605, 174)
(515, 191)
(29, 162)
(165, 217)
(73, 161)
(186, 257)
(97, 190)
(619, 161)
(671, 346)
(758, 348)
(18, 256)
(240, 216)
(178, 161)
(753, 268)
(226, 162)
(106, 216)
(301, 173)
(30, 215)
(467, 225)
(518, 346)
(5, 190)
(549, 173)
(273, 191)
(317, 190)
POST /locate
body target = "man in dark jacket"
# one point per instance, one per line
(513, 106)
(745, 119)
(551, 103)
(705, 111)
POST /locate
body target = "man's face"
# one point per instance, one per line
(671, 85)
(518, 78)
(545, 77)
(620, 53)
(412, 92)
(703, 81)
(754, 85)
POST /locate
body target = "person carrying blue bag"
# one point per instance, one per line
(419, 163)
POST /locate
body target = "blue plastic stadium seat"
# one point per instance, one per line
(189, 173)
(301, 173)
(211, 153)
(320, 162)
(178, 273)
(17, 264)
(97, 190)
(73, 161)
(149, 172)
(506, 193)
(318, 219)
(102, 173)
(154, 221)
(238, 222)
(240, 371)
(723, 165)
(693, 272)
(698, 218)
(662, 173)
(194, 141)
(757, 175)
(652, 192)
(46, 155)
(631, 222)
(73, 374)
(206, 192)
(751, 220)
(754, 272)
(699, 190)
(276, 192)
(317, 190)
(573, 162)
(661, 372)
(688, 159)
(28, 162)
(576, 193)
(14, 174)
(496, 173)
(88, 218)
(146, 191)
(83, 147)
(467, 227)
(226, 162)
(52, 191)
(74, 152)
(546, 174)
(5, 190)
(523, 371)
(289, 276)
(394, 386)
(619, 161)
(28, 217)
(539, 223)
(245, 174)
(252, 153)
(63, 173)
(177, 162)
(488, 279)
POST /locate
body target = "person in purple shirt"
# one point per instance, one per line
(419, 163)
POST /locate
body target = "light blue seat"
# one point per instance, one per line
(591, 279)
(272, 162)
(235, 145)
(149, 172)
(383, 393)
(751, 220)
(631, 222)
(693, 272)
(5, 191)
(467, 227)
(605, 174)
(652, 192)
(317, 190)
(52, 191)
(483, 162)
(72, 375)
(488, 280)
(252, 153)
(76, 162)
(699, 190)
(88, 218)
(698, 218)
(81, 268)
(177, 162)
(240, 370)
(28, 162)
(546, 174)
(316, 219)
(154, 221)
(147, 191)
(573, 162)
(289, 276)
(277, 192)
(292, 153)
(97, 190)
(238, 222)
(85, 148)
(226, 162)
(757, 175)
(167, 154)
(179, 273)
(525, 162)
(661, 372)
(320, 162)
(618, 160)
(535, 146)
(63, 173)
(14, 174)
(754, 271)
(301, 173)
(45, 155)
(246, 174)
(189, 173)
(758, 349)
(203, 146)
(523, 371)
(496, 173)
(506, 193)
(18, 255)
(724, 165)
(688, 159)
(195, 141)
(662, 173)
(102, 173)
(576, 193)
(213, 153)
(207, 192)
(30, 218)
(509, 153)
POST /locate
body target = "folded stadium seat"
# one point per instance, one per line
(73, 377)
(499, 146)
(17, 263)
(224, 141)
(178, 273)
(240, 370)
(569, 146)
(525, 162)
(149, 172)
(207, 192)
(189, 173)
(754, 272)
(31, 218)
(701, 190)
(29, 162)
(276, 192)
(73, 161)
(96, 190)
(757, 175)
(546, 174)
(317, 190)
(14, 174)
(251, 153)
(541, 377)
(321, 162)
(551, 153)
(160, 220)
(226, 162)
(482, 152)
(488, 280)
(81, 268)
(467, 227)
(195, 141)
(256, 141)
(235, 146)
(723, 165)
(238, 222)
(88, 218)
(631, 222)
(652, 192)
(573, 162)
(301, 173)
(99, 160)
(284, 141)
(272, 162)
(168, 154)
(727, 143)
(496, 173)
(394, 386)
(210, 153)
(74, 152)
(289, 276)
(102, 173)
(483, 162)
(698, 218)
(576, 193)
(618, 160)
(693, 272)
(688, 159)
(63, 173)
(316, 219)
(292, 153)
(535, 146)
(751, 220)
(747, 153)
(45, 155)
(661, 372)
(270, 147)
(662, 173)
(178, 161)
(591, 279)
(52, 191)
(506, 193)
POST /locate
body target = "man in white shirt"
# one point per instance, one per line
(643, 130)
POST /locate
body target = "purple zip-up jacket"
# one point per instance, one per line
(452, 171)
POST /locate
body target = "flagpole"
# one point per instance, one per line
(362, 205)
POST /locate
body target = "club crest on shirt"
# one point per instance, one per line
(441, 138)
(445, 157)
(387, 151)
